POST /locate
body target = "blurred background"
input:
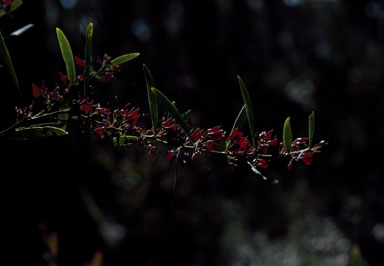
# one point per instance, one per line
(294, 55)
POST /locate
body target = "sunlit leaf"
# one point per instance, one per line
(152, 100)
(66, 52)
(5, 60)
(287, 134)
(88, 52)
(355, 257)
(124, 140)
(34, 132)
(15, 5)
(172, 109)
(63, 119)
(311, 128)
(123, 59)
(248, 109)
(240, 119)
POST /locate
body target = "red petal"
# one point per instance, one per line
(272, 142)
(209, 145)
(8, 2)
(99, 131)
(308, 155)
(290, 165)
(170, 154)
(166, 123)
(79, 62)
(102, 110)
(86, 107)
(268, 136)
(307, 161)
(64, 78)
(215, 130)
(234, 134)
(35, 91)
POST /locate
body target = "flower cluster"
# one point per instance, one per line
(301, 151)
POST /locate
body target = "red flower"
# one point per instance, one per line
(102, 110)
(79, 62)
(86, 107)
(307, 158)
(36, 91)
(99, 131)
(64, 79)
(170, 154)
(209, 144)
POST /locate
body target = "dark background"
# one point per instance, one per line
(294, 55)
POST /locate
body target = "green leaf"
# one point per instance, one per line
(152, 100)
(66, 52)
(311, 128)
(6, 61)
(123, 58)
(355, 257)
(240, 119)
(63, 119)
(172, 109)
(88, 52)
(124, 140)
(287, 134)
(248, 109)
(26, 133)
(186, 114)
(15, 5)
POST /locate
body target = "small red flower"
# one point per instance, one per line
(86, 107)
(170, 154)
(209, 144)
(102, 110)
(234, 134)
(307, 158)
(8, 2)
(79, 62)
(64, 79)
(99, 131)
(35, 91)
(152, 150)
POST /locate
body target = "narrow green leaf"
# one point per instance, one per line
(63, 119)
(6, 61)
(152, 100)
(287, 134)
(186, 114)
(124, 140)
(240, 119)
(66, 52)
(172, 109)
(26, 133)
(15, 5)
(123, 58)
(311, 128)
(355, 257)
(248, 109)
(88, 52)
